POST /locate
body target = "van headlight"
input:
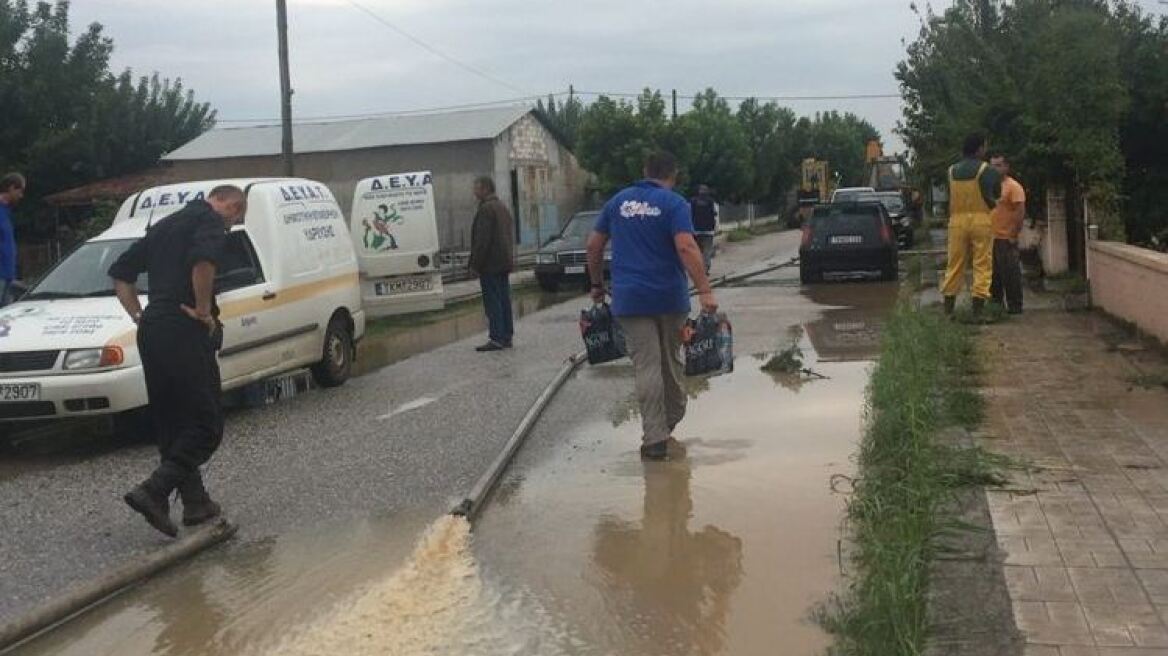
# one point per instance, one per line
(905, 221)
(94, 358)
(545, 258)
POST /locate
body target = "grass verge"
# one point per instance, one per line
(901, 506)
(746, 234)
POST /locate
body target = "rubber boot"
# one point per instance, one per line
(950, 305)
(197, 504)
(152, 504)
(978, 308)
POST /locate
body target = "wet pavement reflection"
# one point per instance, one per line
(396, 338)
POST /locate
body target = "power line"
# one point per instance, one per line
(535, 97)
(852, 96)
(404, 112)
(431, 49)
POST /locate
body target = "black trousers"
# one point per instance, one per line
(182, 382)
(1007, 282)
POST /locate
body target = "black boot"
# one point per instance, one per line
(950, 305)
(153, 505)
(197, 504)
(978, 306)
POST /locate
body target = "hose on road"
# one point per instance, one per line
(473, 503)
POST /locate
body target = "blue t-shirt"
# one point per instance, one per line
(7, 245)
(647, 274)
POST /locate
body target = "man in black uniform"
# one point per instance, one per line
(178, 335)
(705, 220)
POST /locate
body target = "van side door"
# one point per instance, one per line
(241, 289)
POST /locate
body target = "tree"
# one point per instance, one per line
(1076, 92)
(712, 147)
(67, 119)
(774, 151)
(839, 139)
(614, 137)
(564, 118)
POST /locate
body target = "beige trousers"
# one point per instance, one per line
(654, 344)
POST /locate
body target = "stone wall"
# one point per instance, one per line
(1130, 283)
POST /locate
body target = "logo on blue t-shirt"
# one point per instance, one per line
(631, 209)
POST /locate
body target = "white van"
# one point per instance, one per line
(287, 288)
(395, 234)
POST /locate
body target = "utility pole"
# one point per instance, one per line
(285, 85)
(675, 104)
(571, 92)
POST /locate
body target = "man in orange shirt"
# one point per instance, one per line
(1007, 217)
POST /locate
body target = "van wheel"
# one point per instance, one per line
(336, 363)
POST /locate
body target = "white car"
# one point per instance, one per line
(852, 194)
(287, 287)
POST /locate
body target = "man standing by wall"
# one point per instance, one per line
(974, 188)
(705, 219)
(178, 335)
(653, 248)
(11, 193)
(492, 256)
(1007, 217)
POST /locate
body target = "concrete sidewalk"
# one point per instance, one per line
(1085, 532)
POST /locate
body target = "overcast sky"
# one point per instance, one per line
(344, 62)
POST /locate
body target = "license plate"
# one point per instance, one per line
(10, 392)
(578, 268)
(847, 239)
(404, 285)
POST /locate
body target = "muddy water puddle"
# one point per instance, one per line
(397, 338)
(585, 550)
(723, 549)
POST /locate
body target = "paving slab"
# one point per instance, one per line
(1084, 529)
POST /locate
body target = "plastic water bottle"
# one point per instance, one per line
(725, 343)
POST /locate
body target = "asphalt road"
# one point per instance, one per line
(407, 440)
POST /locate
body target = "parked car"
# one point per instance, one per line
(852, 194)
(899, 215)
(287, 288)
(564, 258)
(848, 238)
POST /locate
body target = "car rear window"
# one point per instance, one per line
(860, 219)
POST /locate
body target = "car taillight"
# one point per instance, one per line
(885, 230)
(806, 234)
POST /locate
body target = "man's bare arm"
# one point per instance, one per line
(127, 293)
(596, 243)
(691, 259)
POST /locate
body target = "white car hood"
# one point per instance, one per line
(65, 324)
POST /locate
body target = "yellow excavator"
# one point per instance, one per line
(815, 186)
(890, 173)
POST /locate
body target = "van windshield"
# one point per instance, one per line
(84, 273)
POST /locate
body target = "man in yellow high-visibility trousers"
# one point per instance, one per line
(974, 188)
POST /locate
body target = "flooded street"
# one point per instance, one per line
(584, 550)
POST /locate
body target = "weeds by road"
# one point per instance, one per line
(746, 234)
(924, 381)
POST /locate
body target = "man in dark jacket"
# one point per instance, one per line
(705, 220)
(492, 256)
(178, 335)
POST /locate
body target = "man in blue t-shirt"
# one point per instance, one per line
(11, 192)
(653, 248)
